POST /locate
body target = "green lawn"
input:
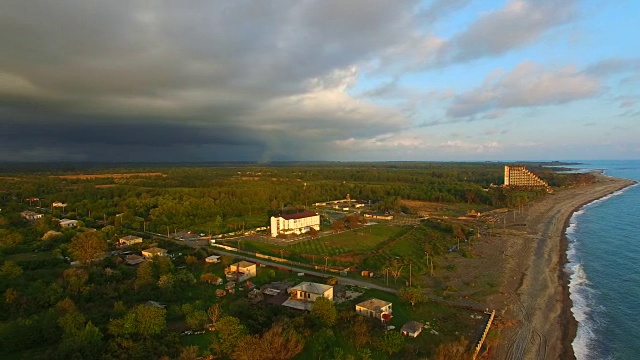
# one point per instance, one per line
(359, 241)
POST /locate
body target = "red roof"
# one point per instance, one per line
(298, 215)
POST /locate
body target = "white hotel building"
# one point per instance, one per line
(294, 223)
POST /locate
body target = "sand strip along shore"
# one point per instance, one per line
(534, 294)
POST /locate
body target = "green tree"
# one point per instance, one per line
(191, 260)
(189, 353)
(413, 295)
(84, 344)
(10, 270)
(322, 341)
(144, 275)
(360, 332)
(391, 342)
(456, 350)
(230, 332)
(143, 321)
(209, 278)
(9, 239)
(87, 246)
(197, 319)
(324, 312)
(277, 343)
(214, 313)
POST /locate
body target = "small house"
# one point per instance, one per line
(303, 295)
(213, 259)
(241, 271)
(375, 308)
(129, 240)
(154, 251)
(411, 329)
(133, 259)
(155, 304)
(66, 223)
(30, 215)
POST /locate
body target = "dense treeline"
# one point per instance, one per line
(218, 199)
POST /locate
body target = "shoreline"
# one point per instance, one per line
(535, 296)
(571, 329)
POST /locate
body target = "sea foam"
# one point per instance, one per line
(580, 291)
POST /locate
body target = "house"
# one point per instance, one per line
(66, 223)
(30, 215)
(133, 259)
(154, 251)
(378, 216)
(411, 329)
(129, 240)
(375, 308)
(294, 223)
(241, 271)
(303, 295)
(212, 259)
(155, 304)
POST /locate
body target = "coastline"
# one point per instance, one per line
(537, 304)
(571, 323)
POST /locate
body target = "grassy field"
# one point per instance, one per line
(360, 241)
(371, 248)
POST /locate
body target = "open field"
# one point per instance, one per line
(106, 176)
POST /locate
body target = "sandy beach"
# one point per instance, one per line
(533, 302)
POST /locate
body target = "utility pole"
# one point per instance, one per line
(387, 272)
(409, 274)
(326, 259)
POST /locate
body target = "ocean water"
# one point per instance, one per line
(604, 269)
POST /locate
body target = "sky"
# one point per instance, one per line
(330, 80)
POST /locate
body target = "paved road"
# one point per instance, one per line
(342, 280)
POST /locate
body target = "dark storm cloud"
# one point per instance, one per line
(85, 74)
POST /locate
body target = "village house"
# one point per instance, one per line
(154, 251)
(66, 223)
(294, 223)
(129, 240)
(134, 259)
(30, 215)
(303, 295)
(411, 329)
(213, 259)
(375, 308)
(378, 216)
(241, 271)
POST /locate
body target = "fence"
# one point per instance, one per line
(476, 350)
(280, 260)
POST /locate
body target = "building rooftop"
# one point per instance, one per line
(243, 264)
(155, 250)
(130, 237)
(312, 287)
(301, 215)
(374, 304)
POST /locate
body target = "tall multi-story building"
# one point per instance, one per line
(520, 176)
(294, 223)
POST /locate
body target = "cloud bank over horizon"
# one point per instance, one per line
(317, 80)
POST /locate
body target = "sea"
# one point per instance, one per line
(604, 269)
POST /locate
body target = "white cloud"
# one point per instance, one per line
(517, 24)
(528, 84)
